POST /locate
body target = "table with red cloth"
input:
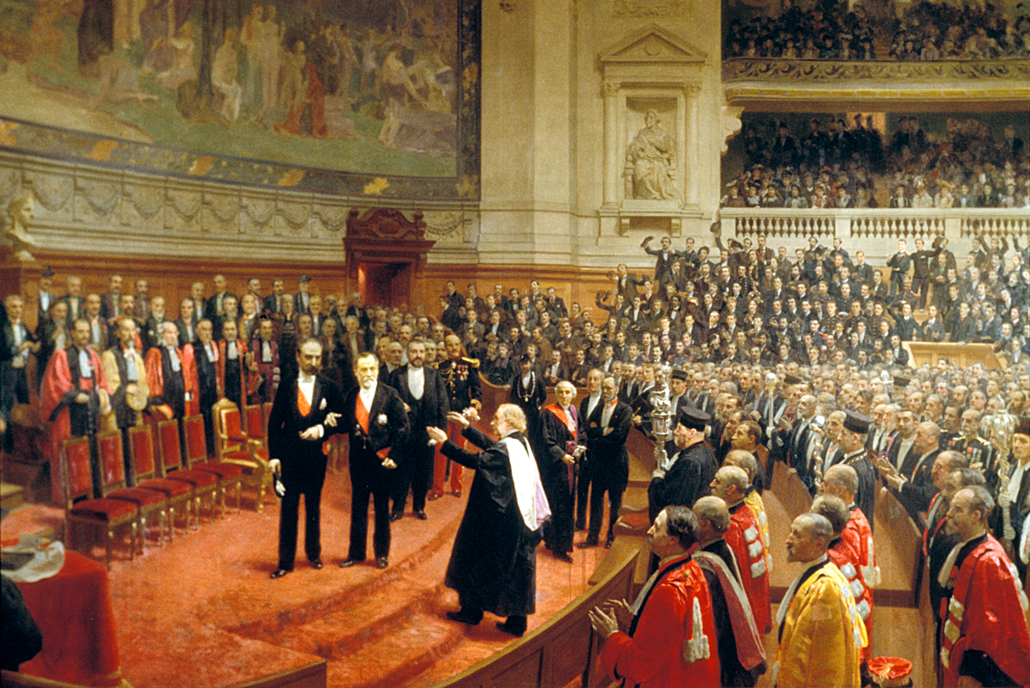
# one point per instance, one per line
(73, 612)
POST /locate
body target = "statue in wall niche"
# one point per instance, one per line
(21, 211)
(651, 162)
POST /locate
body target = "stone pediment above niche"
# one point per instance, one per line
(651, 45)
(651, 83)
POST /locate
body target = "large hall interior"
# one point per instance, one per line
(470, 167)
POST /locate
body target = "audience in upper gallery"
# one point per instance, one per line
(837, 166)
(926, 31)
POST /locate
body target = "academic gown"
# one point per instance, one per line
(493, 563)
(821, 635)
(61, 384)
(985, 632)
(685, 482)
(675, 614)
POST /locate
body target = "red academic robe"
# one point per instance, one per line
(986, 613)
(56, 383)
(745, 539)
(674, 642)
(859, 537)
(155, 376)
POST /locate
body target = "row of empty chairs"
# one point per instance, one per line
(176, 478)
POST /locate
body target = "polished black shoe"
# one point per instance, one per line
(433, 496)
(587, 543)
(462, 617)
(456, 493)
(562, 556)
(608, 543)
(421, 515)
(381, 562)
(512, 628)
(349, 562)
(396, 516)
(279, 573)
(316, 564)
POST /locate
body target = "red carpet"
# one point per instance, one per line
(203, 612)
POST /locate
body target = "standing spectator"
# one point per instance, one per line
(426, 401)
(305, 413)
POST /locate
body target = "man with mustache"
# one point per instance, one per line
(377, 424)
(304, 414)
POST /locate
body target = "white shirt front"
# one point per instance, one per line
(416, 381)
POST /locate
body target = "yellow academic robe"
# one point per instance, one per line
(822, 635)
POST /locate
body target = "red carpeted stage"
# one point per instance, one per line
(203, 612)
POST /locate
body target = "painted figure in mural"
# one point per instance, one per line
(651, 162)
(397, 90)
(182, 67)
(271, 34)
(348, 63)
(223, 75)
(252, 38)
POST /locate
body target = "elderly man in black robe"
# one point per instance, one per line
(493, 563)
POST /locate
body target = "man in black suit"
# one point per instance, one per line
(273, 303)
(425, 399)
(214, 308)
(378, 424)
(913, 484)
(607, 428)
(304, 414)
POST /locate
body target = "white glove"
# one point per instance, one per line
(275, 465)
(1004, 500)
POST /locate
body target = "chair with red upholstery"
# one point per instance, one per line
(144, 467)
(109, 446)
(255, 423)
(105, 515)
(203, 483)
(235, 447)
(229, 474)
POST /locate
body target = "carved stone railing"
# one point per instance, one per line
(875, 229)
(766, 69)
(876, 83)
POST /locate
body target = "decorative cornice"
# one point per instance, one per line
(766, 70)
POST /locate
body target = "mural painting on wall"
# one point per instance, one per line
(368, 96)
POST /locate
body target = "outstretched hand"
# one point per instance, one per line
(436, 434)
(455, 417)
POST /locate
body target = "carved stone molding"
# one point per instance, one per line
(648, 9)
(112, 210)
(749, 69)
(880, 84)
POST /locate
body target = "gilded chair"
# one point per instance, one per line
(104, 515)
(229, 474)
(203, 483)
(112, 462)
(144, 467)
(236, 447)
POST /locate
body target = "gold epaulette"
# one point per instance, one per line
(474, 362)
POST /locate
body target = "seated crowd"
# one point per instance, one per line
(926, 31)
(771, 360)
(837, 166)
